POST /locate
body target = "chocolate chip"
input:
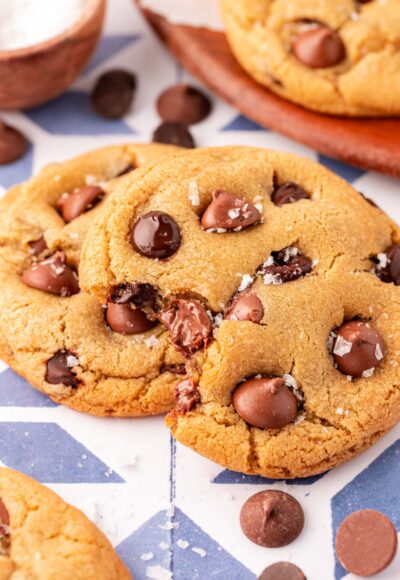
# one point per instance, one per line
(229, 212)
(174, 134)
(59, 369)
(183, 104)
(366, 542)
(12, 144)
(266, 403)
(82, 199)
(285, 266)
(174, 369)
(288, 193)
(245, 306)
(282, 571)
(271, 519)
(388, 265)
(37, 247)
(127, 320)
(5, 532)
(319, 47)
(187, 396)
(358, 348)
(189, 325)
(113, 93)
(52, 275)
(141, 295)
(156, 235)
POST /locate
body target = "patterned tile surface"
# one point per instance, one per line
(169, 512)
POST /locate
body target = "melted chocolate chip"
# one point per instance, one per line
(183, 104)
(52, 275)
(59, 369)
(388, 265)
(37, 247)
(189, 325)
(245, 306)
(272, 518)
(319, 47)
(141, 295)
(229, 212)
(82, 199)
(288, 193)
(127, 320)
(266, 403)
(358, 349)
(187, 396)
(174, 134)
(156, 235)
(282, 571)
(285, 266)
(113, 93)
(12, 144)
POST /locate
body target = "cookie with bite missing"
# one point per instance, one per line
(325, 56)
(112, 359)
(279, 285)
(42, 537)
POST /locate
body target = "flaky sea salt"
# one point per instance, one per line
(147, 556)
(368, 373)
(202, 553)
(247, 280)
(151, 341)
(292, 384)
(342, 346)
(182, 544)
(378, 352)
(193, 194)
(163, 546)
(72, 361)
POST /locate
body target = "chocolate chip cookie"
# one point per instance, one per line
(326, 56)
(42, 537)
(279, 285)
(110, 359)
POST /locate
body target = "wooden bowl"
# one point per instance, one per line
(35, 74)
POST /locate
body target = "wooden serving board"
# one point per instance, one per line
(367, 143)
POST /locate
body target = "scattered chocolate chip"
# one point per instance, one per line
(366, 542)
(266, 402)
(285, 266)
(5, 532)
(82, 199)
(288, 193)
(189, 324)
(126, 170)
(174, 134)
(12, 144)
(156, 235)
(229, 212)
(113, 93)
(37, 247)
(271, 519)
(282, 571)
(358, 349)
(52, 275)
(183, 104)
(245, 306)
(174, 369)
(127, 320)
(141, 295)
(187, 396)
(388, 265)
(319, 47)
(59, 369)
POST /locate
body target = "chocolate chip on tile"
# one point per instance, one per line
(272, 518)
(265, 402)
(189, 325)
(284, 266)
(80, 200)
(124, 319)
(358, 348)
(12, 144)
(60, 369)
(245, 306)
(288, 193)
(229, 212)
(183, 104)
(388, 265)
(319, 47)
(156, 235)
(37, 247)
(187, 396)
(282, 571)
(141, 295)
(113, 93)
(366, 542)
(52, 275)
(174, 134)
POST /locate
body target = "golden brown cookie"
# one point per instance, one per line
(61, 340)
(327, 56)
(44, 538)
(278, 283)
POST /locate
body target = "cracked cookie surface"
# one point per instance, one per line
(44, 538)
(325, 56)
(264, 300)
(56, 336)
